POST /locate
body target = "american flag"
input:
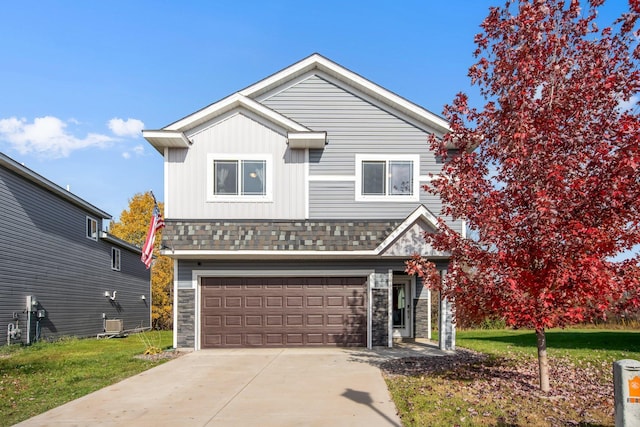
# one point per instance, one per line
(156, 224)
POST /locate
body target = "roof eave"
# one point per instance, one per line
(41, 181)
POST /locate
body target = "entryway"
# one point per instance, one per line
(401, 308)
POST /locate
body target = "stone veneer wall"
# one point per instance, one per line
(380, 317)
(186, 318)
(421, 318)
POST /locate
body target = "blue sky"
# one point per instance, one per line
(79, 80)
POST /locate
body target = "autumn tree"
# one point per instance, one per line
(132, 227)
(546, 174)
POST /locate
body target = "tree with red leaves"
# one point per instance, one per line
(547, 174)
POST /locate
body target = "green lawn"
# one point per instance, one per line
(502, 389)
(576, 344)
(37, 378)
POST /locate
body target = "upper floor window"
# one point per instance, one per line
(115, 259)
(92, 229)
(387, 177)
(239, 177)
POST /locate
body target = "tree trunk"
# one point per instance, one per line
(543, 362)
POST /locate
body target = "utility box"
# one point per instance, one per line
(626, 390)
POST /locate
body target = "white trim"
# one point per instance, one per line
(197, 275)
(305, 140)
(321, 63)
(306, 185)
(370, 281)
(91, 234)
(429, 329)
(463, 230)
(175, 303)
(415, 190)
(407, 282)
(267, 158)
(229, 103)
(160, 139)
(167, 212)
(327, 178)
(116, 255)
(427, 178)
(390, 308)
(194, 253)
(420, 212)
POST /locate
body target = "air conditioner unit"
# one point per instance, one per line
(113, 326)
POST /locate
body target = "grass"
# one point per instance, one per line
(502, 389)
(45, 375)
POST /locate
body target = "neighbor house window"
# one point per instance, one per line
(387, 177)
(239, 178)
(115, 259)
(92, 229)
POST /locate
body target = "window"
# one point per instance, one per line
(387, 177)
(115, 259)
(240, 178)
(92, 229)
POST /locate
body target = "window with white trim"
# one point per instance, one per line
(387, 177)
(239, 177)
(92, 229)
(115, 259)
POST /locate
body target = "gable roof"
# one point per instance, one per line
(173, 134)
(23, 171)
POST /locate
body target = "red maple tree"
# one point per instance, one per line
(547, 174)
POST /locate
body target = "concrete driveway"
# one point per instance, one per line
(244, 387)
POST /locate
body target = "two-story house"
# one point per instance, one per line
(291, 207)
(61, 274)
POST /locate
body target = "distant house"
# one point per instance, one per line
(60, 274)
(291, 207)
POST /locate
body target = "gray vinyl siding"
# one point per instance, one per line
(240, 133)
(354, 125)
(44, 252)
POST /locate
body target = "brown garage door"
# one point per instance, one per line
(279, 312)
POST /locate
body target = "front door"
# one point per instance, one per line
(401, 309)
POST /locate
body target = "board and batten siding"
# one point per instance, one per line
(44, 252)
(236, 133)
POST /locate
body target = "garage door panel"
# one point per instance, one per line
(276, 312)
(253, 302)
(233, 302)
(274, 302)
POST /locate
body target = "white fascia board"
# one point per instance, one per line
(255, 254)
(420, 212)
(319, 62)
(229, 103)
(160, 139)
(302, 140)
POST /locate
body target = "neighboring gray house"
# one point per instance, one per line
(60, 274)
(291, 207)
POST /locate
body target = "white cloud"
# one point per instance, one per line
(129, 127)
(47, 136)
(138, 150)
